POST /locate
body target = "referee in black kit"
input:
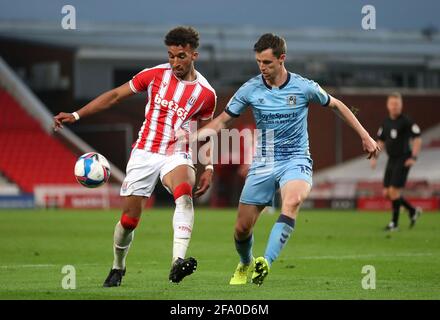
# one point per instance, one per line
(401, 137)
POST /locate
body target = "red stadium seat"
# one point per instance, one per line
(28, 155)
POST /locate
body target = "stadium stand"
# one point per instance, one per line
(8, 188)
(69, 72)
(29, 155)
(358, 181)
(358, 169)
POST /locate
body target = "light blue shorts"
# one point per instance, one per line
(263, 179)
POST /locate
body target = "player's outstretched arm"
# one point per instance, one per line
(205, 179)
(212, 128)
(209, 130)
(369, 145)
(102, 102)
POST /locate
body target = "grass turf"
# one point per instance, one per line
(323, 259)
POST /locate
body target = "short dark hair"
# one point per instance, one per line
(271, 41)
(182, 36)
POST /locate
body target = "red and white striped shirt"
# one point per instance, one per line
(171, 105)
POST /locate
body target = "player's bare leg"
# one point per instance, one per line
(123, 237)
(293, 193)
(181, 181)
(247, 217)
(243, 237)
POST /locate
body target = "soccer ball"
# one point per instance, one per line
(92, 170)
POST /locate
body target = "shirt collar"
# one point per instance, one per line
(281, 86)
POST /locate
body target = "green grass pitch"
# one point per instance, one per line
(323, 259)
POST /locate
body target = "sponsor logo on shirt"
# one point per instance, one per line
(181, 112)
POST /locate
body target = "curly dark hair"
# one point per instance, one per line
(182, 36)
(271, 41)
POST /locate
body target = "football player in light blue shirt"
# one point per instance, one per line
(279, 101)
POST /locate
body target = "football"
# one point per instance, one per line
(92, 170)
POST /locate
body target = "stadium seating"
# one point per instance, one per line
(28, 155)
(355, 179)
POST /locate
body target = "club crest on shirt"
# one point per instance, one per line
(291, 100)
(192, 100)
(261, 100)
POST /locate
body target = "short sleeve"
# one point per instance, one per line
(142, 80)
(238, 102)
(316, 94)
(414, 129)
(209, 106)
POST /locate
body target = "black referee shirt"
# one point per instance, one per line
(397, 134)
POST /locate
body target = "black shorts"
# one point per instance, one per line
(396, 173)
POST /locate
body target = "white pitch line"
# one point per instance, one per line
(59, 265)
(27, 266)
(12, 266)
(347, 257)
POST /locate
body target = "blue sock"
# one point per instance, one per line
(244, 249)
(279, 235)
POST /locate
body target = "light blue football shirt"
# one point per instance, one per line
(280, 114)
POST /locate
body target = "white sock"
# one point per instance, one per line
(183, 221)
(122, 240)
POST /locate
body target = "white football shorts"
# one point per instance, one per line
(144, 169)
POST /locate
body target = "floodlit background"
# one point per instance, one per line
(48, 221)
(46, 69)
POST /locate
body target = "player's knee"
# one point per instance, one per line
(129, 222)
(292, 202)
(183, 189)
(242, 230)
(386, 193)
(132, 208)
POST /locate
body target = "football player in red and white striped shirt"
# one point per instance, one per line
(176, 95)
